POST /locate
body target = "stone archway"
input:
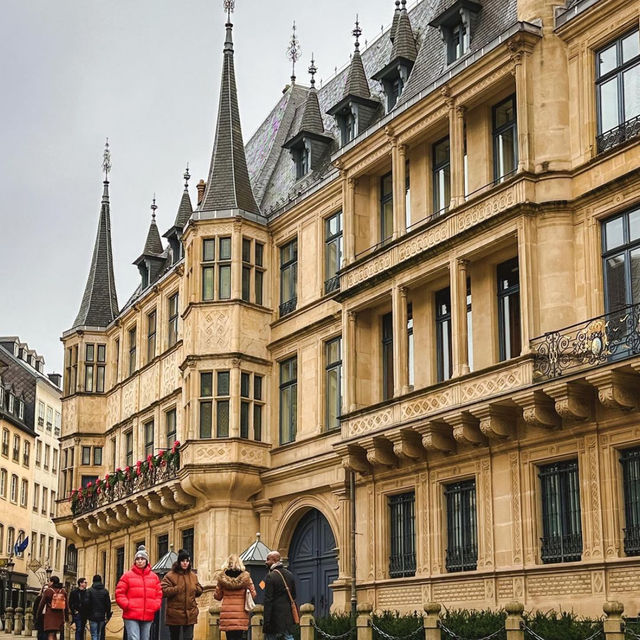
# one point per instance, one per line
(313, 560)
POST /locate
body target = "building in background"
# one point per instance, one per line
(35, 469)
(415, 287)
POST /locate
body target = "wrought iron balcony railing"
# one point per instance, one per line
(616, 136)
(559, 548)
(288, 307)
(332, 284)
(124, 486)
(463, 558)
(607, 338)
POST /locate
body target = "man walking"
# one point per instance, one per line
(279, 593)
(77, 599)
(98, 607)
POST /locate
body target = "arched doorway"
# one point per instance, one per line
(312, 559)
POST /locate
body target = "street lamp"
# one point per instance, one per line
(9, 567)
(48, 570)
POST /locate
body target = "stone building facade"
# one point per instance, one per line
(421, 278)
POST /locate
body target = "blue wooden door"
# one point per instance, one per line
(312, 559)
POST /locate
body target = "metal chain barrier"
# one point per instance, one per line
(386, 636)
(328, 636)
(629, 631)
(535, 636)
(455, 636)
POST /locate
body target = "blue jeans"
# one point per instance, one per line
(275, 636)
(137, 629)
(96, 629)
(80, 624)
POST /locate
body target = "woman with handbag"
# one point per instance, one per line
(181, 588)
(235, 588)
(53, 608)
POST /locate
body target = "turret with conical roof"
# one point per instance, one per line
(185, 211)
(152, 258)
(99, 304)
(356, 109)
(228, 186)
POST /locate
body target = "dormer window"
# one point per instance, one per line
(458, 43)
(455, 26)
(301, 159)
(348, 127)
(20, 409)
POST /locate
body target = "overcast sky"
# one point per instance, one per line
(146, 74)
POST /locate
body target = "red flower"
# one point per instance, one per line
(98, 490)
(149, 458)
(161, 453)
(90, 484)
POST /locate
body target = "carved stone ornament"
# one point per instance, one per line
(466, 429)
(538, 410)
(436, 436)
(572, 400)
(496, 422)
(380, 452)
(615, 390)
(407, 445)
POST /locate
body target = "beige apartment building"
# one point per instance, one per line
(415, 288)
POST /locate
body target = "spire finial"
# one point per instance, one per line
(154, 206)
(186, 177)
(357, 32)
(312, 71)
(293, 52)
(106, 161)
(229, 6)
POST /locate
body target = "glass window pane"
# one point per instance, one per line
(222, 419)
(614, 233)
(506, 153)
(607, 60)
(207, 283)
(257, 422)
(245, 379)
(246, 283)
(635, 276)
(257, 387)
(225, 248)
(205, 419)
(224, 285)
(90, 352)
(259, 279)
(244, 419)
(634, 225)
(223, 383)
(609, 105)
(246, 250)
(631, 81)
(386, 230)
(504, 113)
(333, 351)
(333, 397)
(387, 185)
(206, 385)
(259, 254)
(208, 250)
(630, 46)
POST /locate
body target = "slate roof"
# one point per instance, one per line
(153, 245)
(228, 186)
(185, 209)
(404, 44)
(357, 84)
(20, 379)
(99, 304)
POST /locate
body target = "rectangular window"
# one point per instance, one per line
(443, 333)
(458, 43)
(561, 515)
(47, 453)
(410, 346)
(26, 453)
(402, 552)
(162, 547)
(469, 327)
(172, 329)
(618, 91)
(45, 499)
(441, 176)
(222, 404)
(332, 251)
(288, 400)
(24, 492)
(86, 455)
(258, 403)
(148, 438)
(505, 139)
(224, 268)
(38, 453)
(509, 309)
(387, 356)
(462, 536)
(630, 461)
(208, 268)
(52, 504)
(36, 496)
(49, 417)
(288, 277)
(407, 195)
(151, 336)
(119, 563)
(97, 455)
(40, 413)
(333, 382)
(386, 208)
(117, 348)
(5, 442)
(128, 445)
(246, 269)
(187, 541)
(170, 422)
(3, 483)
(206, 404)
(88, 367)
(16, 448)
(132, 350)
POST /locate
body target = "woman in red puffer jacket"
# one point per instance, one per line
(139, 595)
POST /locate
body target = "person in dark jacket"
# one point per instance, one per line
(278, 619)
(97, 607)
(53, 619)
(77, 600)
(181, 588)
(38, 620)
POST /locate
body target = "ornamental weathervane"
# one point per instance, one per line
(106, 161)
(229, 6)
(293, 52)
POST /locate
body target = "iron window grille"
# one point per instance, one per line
(441, 163)
(630, 461)
(386, 208)
(402, 556)
(561, 515)
(443, 334)
(387, 356)
(288, 400)
(509, 333)
(462, 526)
(617, 90)
(288, 277)
(332, 251)
(505, 139)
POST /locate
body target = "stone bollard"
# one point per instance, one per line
(363, 621)
(214, 621)
(613, 624)
(18, 619)
(8, 620)
(431, 621)
(257, 620)
(307, 631)
(514, 624)
(28, 623)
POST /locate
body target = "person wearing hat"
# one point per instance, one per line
(139, 595)
(181, 588)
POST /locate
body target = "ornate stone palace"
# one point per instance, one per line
(422, 277)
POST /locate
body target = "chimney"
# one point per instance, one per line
(56, 378)
(201, 186)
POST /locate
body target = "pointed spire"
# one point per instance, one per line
(228, 186)
(185, 209)
(357, 84)
(99, 304)
(293, 52)
(311, 117)
(153, 244)
(394, 24)
(404, 43)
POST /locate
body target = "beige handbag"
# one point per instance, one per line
(249, 604)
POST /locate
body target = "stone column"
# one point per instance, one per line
(400, 341)
(518, 57)
(460, 347)
(307, 631)
(400, 186)
(514, 622)
(214, 621)
(525, 267)
(349, 359)
(18, 620)
(456, 151)
(264, 508)
(234, 400)
(431, 621)
(348, 216)
(613, 624)
(363, 621)
(257, 618)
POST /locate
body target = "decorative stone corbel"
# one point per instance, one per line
(496, 421)
(436, 436)
(538, 410)
(121, 516)
(572, 400)
(616, 390)
(82, 530)
(166, 499)
(181, 498)
(407, 444)
(132, 513)
(354, 458)
(380, 452)
(154, 504)
(466, 429)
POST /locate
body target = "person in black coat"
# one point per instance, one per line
(278, 619)
(97, 607)
(77, 600)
